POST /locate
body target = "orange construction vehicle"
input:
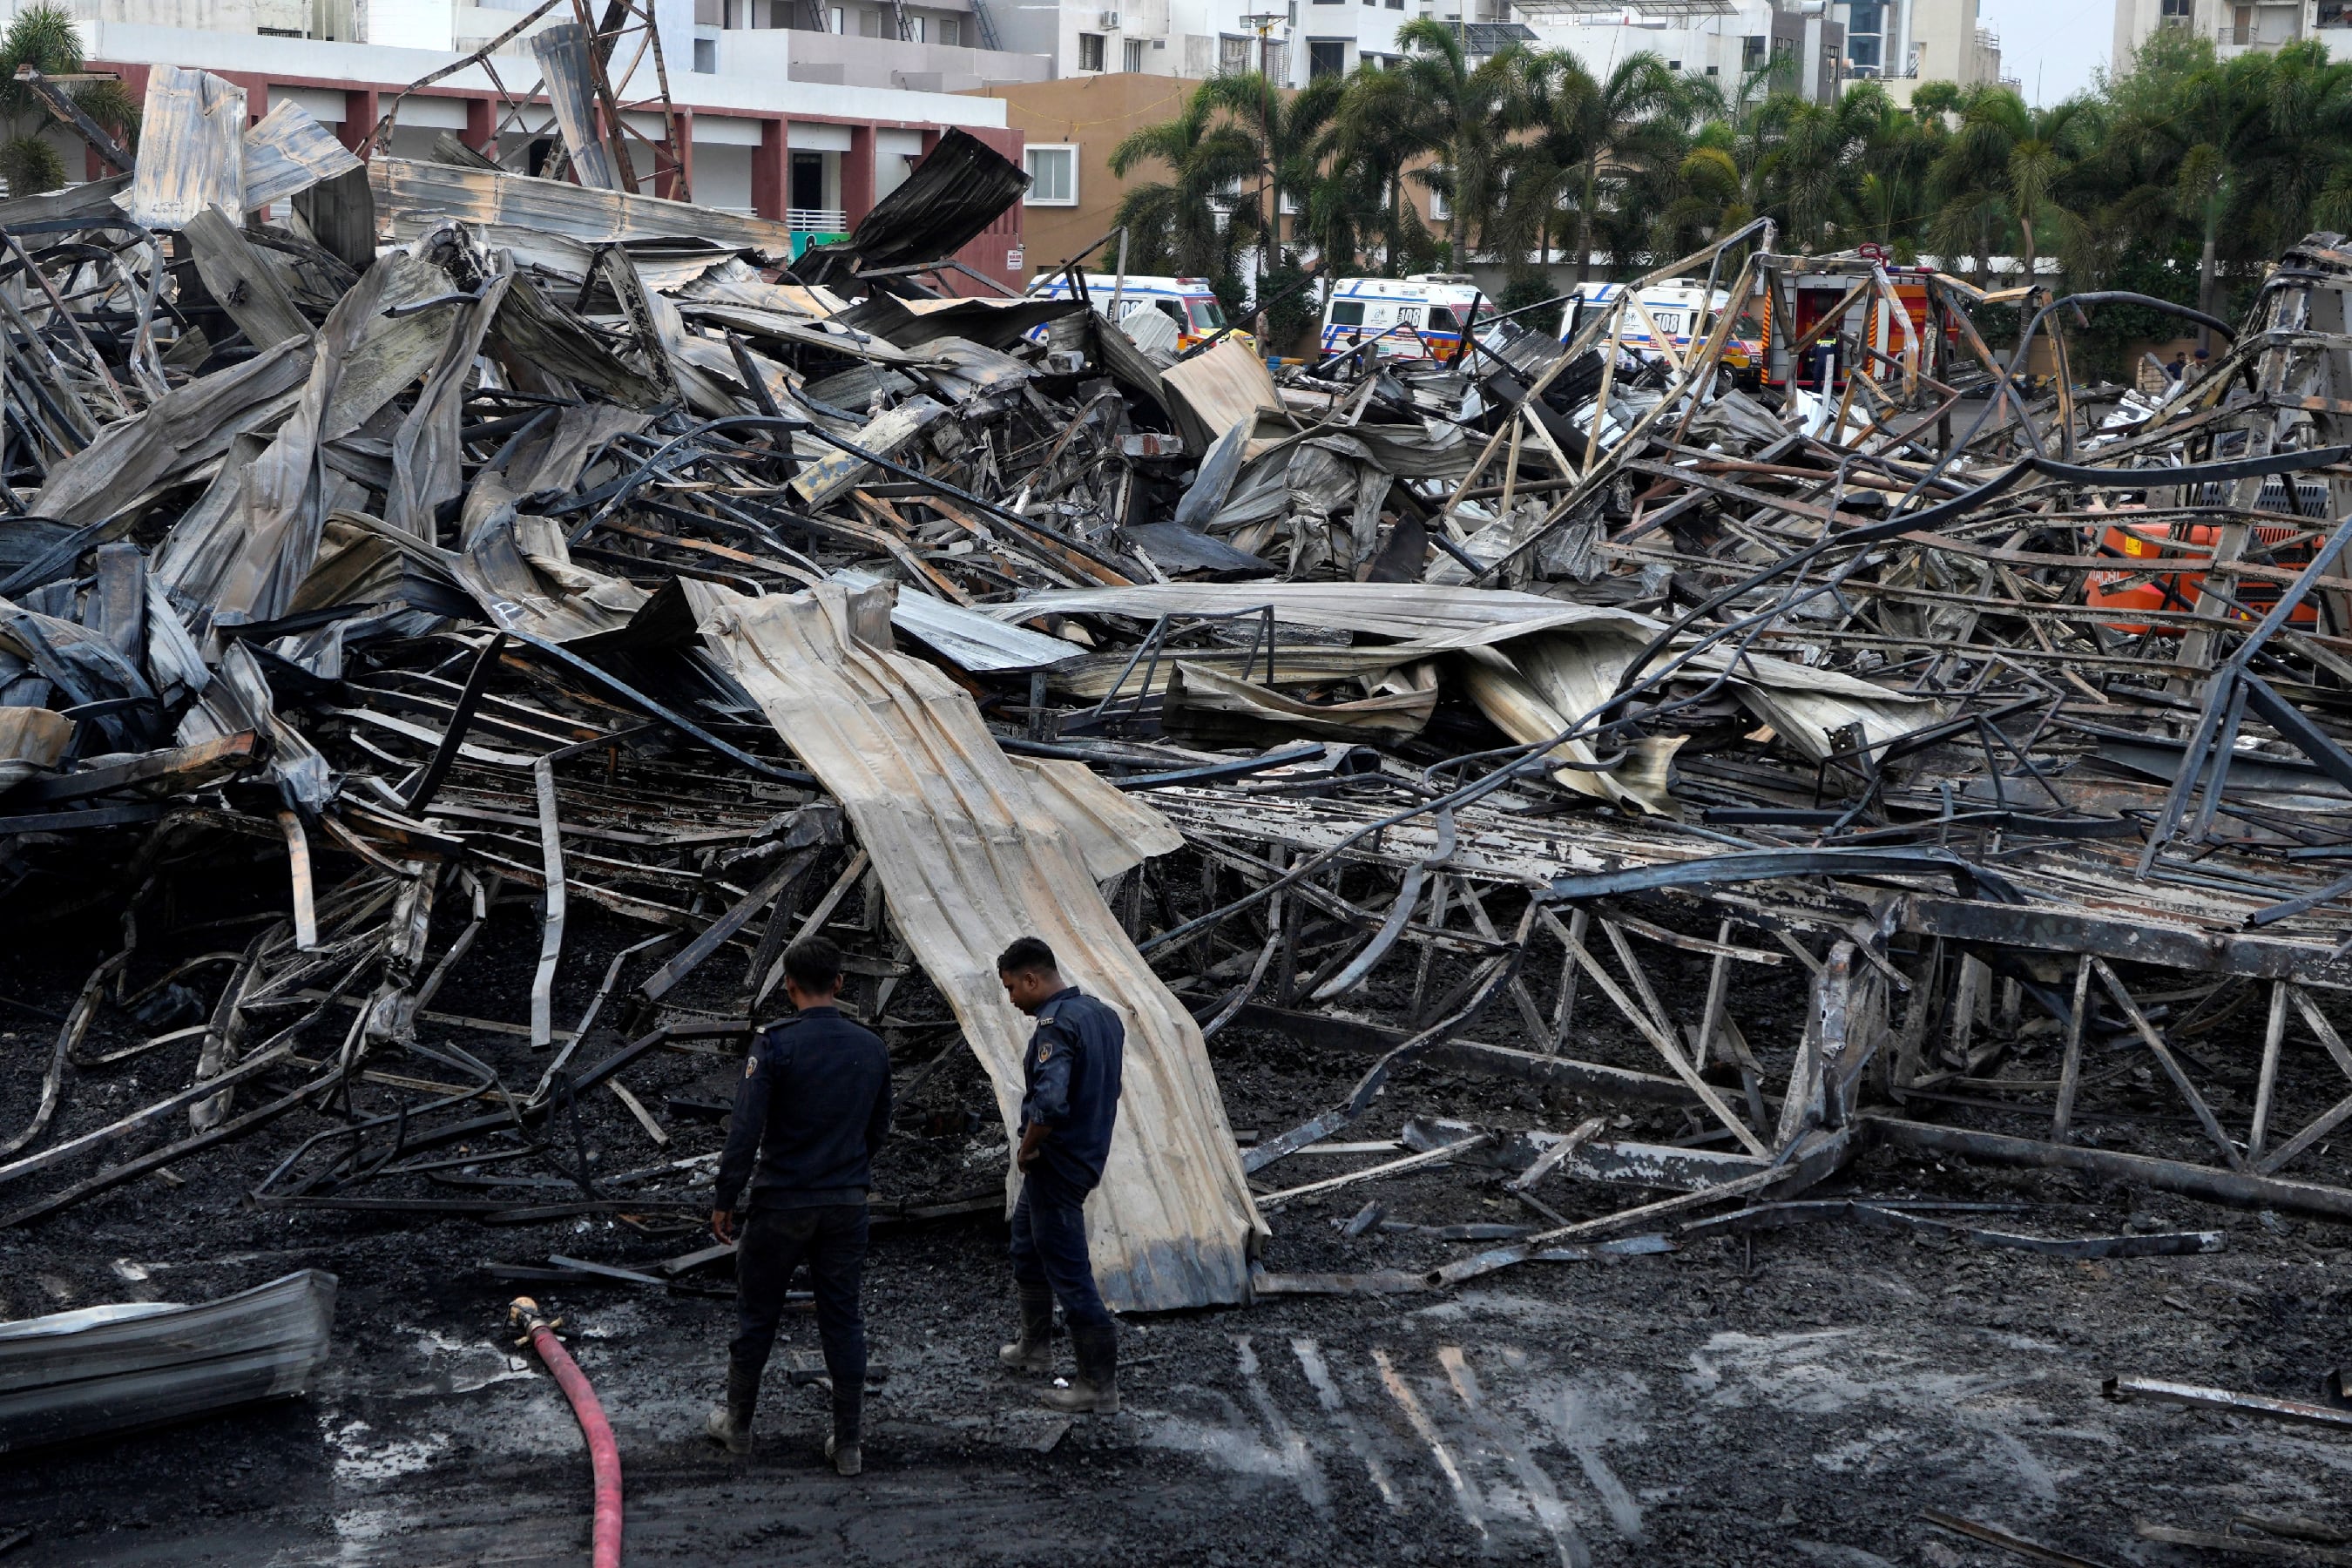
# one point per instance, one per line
(2170, 579)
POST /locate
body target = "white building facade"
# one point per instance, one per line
(2235, 26)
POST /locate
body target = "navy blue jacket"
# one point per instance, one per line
(812, 1105)
(1070, 1083)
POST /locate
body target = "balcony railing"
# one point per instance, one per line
(816, 220)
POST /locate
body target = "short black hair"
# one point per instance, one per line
(814, 964)
(1026, 956)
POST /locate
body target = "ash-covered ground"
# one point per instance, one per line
(1795, 1398)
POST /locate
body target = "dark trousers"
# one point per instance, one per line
(1049, 1245)
(831, 1240)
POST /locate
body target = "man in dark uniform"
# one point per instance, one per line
(812, 1108)
(1070, 1100)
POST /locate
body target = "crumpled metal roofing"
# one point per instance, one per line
(974, 850)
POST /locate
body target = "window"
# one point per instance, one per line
(1673, 65)
(1232, 55)
(1172, 310)
(1439, 209)
(1053, 176)
(1326, 56)
(1348, 312)
(1441, 320)
(1711, 71)
(913, 28)
(834, 18)
(1751, 51)
(706, 56)
(1131, 56)
(1277, 62)
(1206, 316)
(951, 31)
(1090, 51)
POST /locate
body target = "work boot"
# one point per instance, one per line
(1033, 1351)
(1094, 1388)
(848, 1458)
(729, 1425)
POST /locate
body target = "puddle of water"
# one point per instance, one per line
(362, 1458)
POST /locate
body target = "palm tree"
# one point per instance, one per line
(1720, 183)
(2299, 147)
(1376, 130)
(2185, 128)
(45, 37)
(1590, 128)
(2009, 169)
(1286, 134)
(1176, 224)
(1455, 110)
(1346, 209)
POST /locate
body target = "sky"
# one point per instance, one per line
(2059, 42)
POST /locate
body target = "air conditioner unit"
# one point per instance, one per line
(1110, 21)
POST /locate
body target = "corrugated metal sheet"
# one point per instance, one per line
(192, 134)
(1227, 385)
(968, 638)
(427, 193)
(562, 55)
(287, 153)
(949, 198)
(1410, 611)
(973, 851)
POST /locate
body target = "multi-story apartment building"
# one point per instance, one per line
(1904, 42)
(1820, 43)
(1728, 41)
(2236, 26)
(757, 136)
(1291, 41)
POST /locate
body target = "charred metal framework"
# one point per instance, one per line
(596, 72)
(1773, 758)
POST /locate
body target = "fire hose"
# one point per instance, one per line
(603, 1452)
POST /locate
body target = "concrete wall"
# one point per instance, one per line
(856, 61)
(1944, 32)
(307, 60)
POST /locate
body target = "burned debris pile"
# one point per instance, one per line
(1812, 731)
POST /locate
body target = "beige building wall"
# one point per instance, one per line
(2135, 21)
(1949, 45)
(1088, 115)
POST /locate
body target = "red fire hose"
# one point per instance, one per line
(603, 1452)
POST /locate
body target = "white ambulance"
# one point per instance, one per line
(1417, 317)
(1190, 302)
(1674, 306)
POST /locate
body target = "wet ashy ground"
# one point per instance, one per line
(1795, 1398)
(1799, 1401)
